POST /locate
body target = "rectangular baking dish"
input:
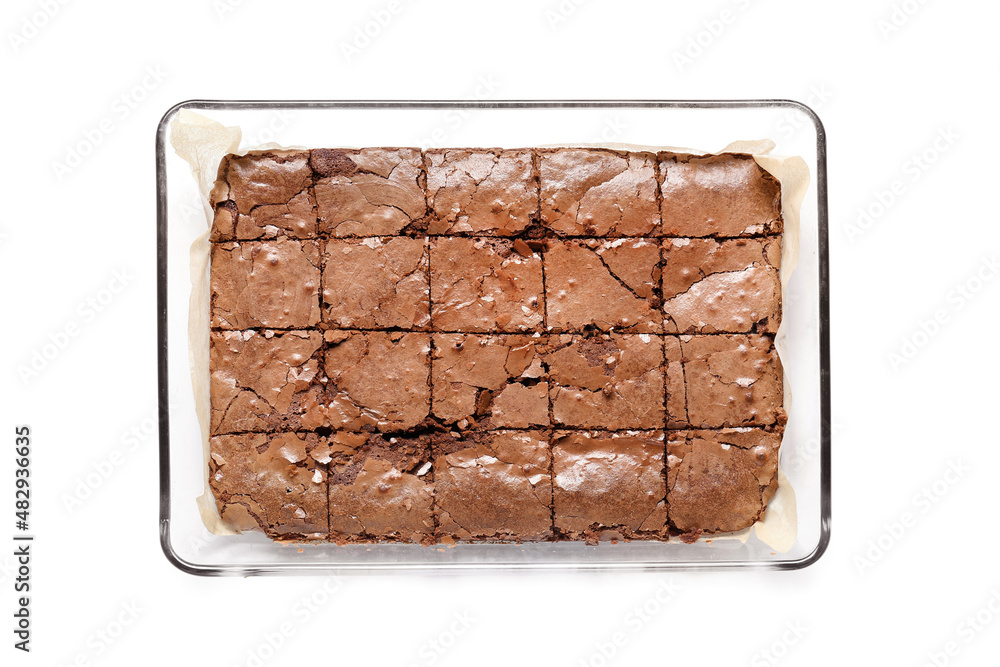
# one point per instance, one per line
(703, 125)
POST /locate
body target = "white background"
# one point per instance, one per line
(907, 91)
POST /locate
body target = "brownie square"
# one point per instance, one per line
(732, 380)
(377, 378)
(493, 485)
(718, 195)
(265, 380)
(368, 192)
(713, 286)
(263, 194)
(489, 381)
(720, 481)
(485, 285)
(609, 485)
(607, 381)
(272, 482)
(381, 489)
(598, 192)
(484, 192)
(273, 284)
(376, 283)
(607, 285)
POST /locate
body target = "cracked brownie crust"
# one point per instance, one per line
(368, 192)
(732, 380)
(376, 379)
(609, 485)
(376, 283)
(273, 482)
(462, 345)
(264, 380)
(380, 488)
(720, 481)
(497, 381)
(610, 381)
(721, 286)
(265, 284)
(492, 193)
(485, 285)
(717, 195)
(493, 486)
(609, 285)
(598, 192)
(264, 194)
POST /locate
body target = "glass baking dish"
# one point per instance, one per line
(702, 125)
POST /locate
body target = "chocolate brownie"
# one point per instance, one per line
(493, 485)
(732, 380)
(598, 192)
(376, 283)
(376, 378)
(265, 380)
(264, 194)
(487, 285)
(720, 481)
(492, 344)
(368, 192)
(607, 381)
(493, 193)
(273, 482)
(381, 488)
(607, 285)
(272, 284)
(712, 286)
(492, 381)
(718, 195)
(609, 485)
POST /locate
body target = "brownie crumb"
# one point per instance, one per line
(328, 161)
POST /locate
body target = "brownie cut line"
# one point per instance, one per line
(461, 345)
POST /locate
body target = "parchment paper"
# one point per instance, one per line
(203, 143)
